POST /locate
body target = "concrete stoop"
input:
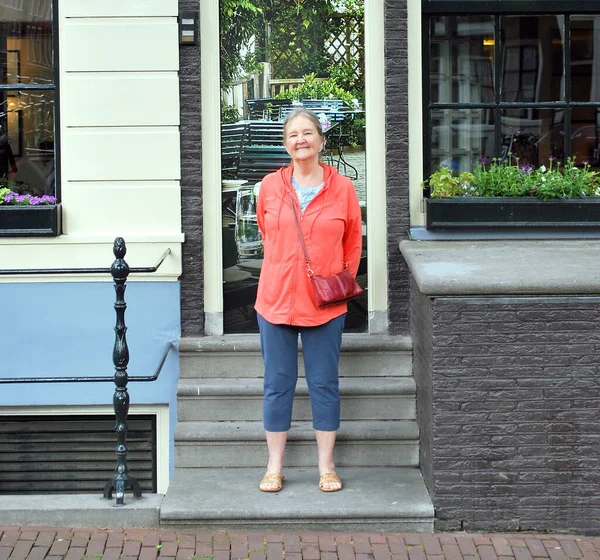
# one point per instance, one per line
(373, 499)
(220, 451)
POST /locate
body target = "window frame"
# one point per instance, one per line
(44, 221)
(497, 9)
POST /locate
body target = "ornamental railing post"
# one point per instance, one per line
(121, 478)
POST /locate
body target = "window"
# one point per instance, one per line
(28, 77)
(513, 77)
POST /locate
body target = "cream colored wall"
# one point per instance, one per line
(119, 136)
(415, 114)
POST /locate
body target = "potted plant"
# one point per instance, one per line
(504, 194)
(27, 214)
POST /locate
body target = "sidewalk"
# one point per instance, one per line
(51, 543)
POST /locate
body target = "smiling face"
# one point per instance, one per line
(302, 139)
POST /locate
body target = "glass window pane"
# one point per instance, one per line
(330, 47)
(459, 138)
(27, 123)
(26, 53)
(585, 136)
(462, 59)
(532, 58)
(585, 58)
(533, 137)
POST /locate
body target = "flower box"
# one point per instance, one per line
(30, 221)
(517, 212)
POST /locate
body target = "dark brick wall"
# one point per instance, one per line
(192, 307)
(396, 85)
(421, 332)
(514, 435)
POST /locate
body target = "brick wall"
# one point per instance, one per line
(421, 332)
(192, 308)
(398, 222)
(509, 411)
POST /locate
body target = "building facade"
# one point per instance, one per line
(136, 146)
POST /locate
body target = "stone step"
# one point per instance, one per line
(393, 443)
(238, 355)
(373, 499)
(379, 398)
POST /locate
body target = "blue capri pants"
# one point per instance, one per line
(321, 349)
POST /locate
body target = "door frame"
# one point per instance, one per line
(375, 167)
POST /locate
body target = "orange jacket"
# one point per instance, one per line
(332, 228)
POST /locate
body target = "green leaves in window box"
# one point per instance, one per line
(505, 179)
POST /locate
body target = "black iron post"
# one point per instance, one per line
(121, 478)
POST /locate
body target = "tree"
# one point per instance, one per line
(240, 22)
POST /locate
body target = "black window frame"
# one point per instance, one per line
(497, 9)
(44, 221)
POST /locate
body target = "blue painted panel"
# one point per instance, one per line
(67, 330)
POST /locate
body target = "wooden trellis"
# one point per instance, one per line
(343, 45)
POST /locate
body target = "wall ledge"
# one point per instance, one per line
(504, 268)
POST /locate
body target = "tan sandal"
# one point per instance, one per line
(328, 478)
(270, 479)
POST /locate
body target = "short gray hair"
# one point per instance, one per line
(303, 112)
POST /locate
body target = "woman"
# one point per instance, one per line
(326, 205)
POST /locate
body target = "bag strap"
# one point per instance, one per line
(309, 270)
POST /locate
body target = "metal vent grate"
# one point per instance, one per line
(72, 454)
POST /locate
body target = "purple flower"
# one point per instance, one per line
(9, 196)
(35, 200)
(526, 168)
(20, 198)
(484, 160)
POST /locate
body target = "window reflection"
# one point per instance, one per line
(533, 138)
(320, 66)
(461, 138)
(529, 114)
(462, 59)
(585, 135)
(585, 58)
(532, 55)
(27, 115)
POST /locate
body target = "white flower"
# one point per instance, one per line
(543, 169)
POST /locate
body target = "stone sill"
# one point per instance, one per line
(504, 268)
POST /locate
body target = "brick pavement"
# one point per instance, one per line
(51, 543)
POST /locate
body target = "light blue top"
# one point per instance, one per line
(305, 194)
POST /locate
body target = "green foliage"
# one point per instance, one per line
(289, 33)
(229, 113)
(445, 185)
(313, 88)
(298, 30)
(568, 182)
(503, 178)
(346, 79)
(3, 192)
(240, 20)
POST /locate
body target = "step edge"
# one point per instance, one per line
(351, 430)
(351, 342)
(227, 387)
